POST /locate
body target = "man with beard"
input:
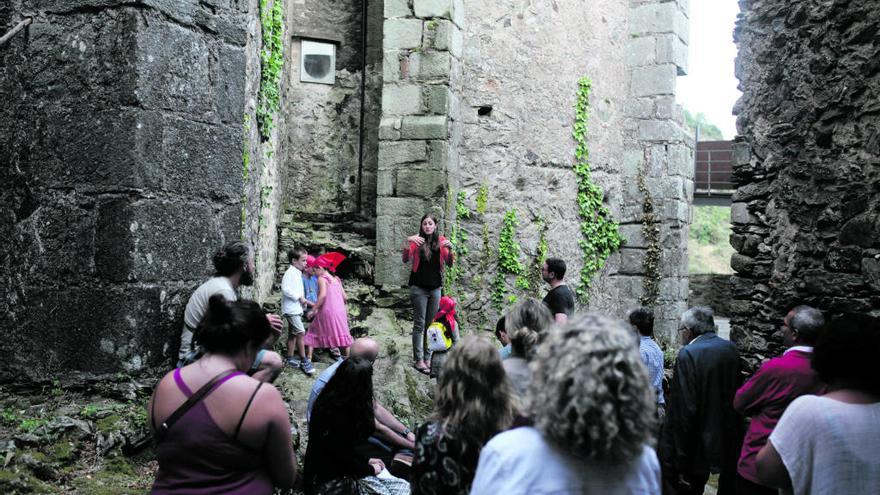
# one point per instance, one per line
(560, 299)
(233, 267)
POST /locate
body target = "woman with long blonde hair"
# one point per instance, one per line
(472, 403)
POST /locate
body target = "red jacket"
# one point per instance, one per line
(411, 253)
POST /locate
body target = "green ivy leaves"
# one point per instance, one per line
(600, 236)
(271, 64)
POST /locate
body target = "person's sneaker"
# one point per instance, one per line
(293, 362)
(306, 367)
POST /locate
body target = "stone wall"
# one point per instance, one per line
(658, 163)
(322, 144)
(120, 155)
(419, 132)
(520, 66)
(805, 212)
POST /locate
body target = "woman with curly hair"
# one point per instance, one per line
(471, 405)
(593, 410)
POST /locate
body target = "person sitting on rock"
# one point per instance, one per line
(341, 422)
(472, 404)
(390, 435)
(233, 267)
(235, 438)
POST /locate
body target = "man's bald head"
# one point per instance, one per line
(366, 348)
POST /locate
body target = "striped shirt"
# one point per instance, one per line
(653, 358)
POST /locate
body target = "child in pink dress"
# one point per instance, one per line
(329, 328)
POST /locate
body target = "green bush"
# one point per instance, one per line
(711, 224)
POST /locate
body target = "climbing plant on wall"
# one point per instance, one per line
(651, 234)
(459, 238)
(599, 232)
(508, 260)
(271, 64)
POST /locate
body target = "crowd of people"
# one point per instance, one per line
(570, 403)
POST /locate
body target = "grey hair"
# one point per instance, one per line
(699, 320)
(591, 396)
(524, 322)
(808, 322)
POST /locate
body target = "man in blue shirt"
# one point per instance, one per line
(642, 319)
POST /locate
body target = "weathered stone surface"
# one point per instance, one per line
(402, 33)
(422, 183)
(427, 127)
(434, 65)
(801, 166)
(394, 153)
(397, 8)
(402, 99)
(654, 79)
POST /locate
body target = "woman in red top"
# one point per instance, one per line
(430, 253)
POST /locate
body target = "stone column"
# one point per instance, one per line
(121, 142)
(419, 132)
(658, 162)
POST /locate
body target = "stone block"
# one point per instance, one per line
(446, 36)
(659, 130)
(196, 159)
(397, 8)
(671, 49)
(739, 214)
(174, 69)
(422, 183)
(631, 261)
(639, 108)
(438, 155)
(680, 160)
(393, 153)
(385, 184)
(742, 154)
(641, 51)
(435, 8)
(152, 241)
(402, 34)
(389, 129)
(229, 84)
(391, 66)
(633, 234)
(438, 98)
(871, 272)
(633, 161)
(405, 99)
(118, 329)
(433, 65)
(424, 127)
(676, 211)
(653, 18)
(653, 80)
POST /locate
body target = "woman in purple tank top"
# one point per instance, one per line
(236, 438)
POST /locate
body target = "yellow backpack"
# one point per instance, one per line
(436, 339)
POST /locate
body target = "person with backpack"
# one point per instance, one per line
(441, 334)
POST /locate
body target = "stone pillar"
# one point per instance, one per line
(419, 132)
(658, 163)
(120, 150)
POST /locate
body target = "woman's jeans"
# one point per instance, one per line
(425, 305)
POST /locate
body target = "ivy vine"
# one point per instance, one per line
(600, 236)
(271, 64)
(651, 233)
(508, 261)
(482, 198)
(458, 237)
(534, 273)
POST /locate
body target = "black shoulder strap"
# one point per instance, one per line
(248, 406)
(194, 399)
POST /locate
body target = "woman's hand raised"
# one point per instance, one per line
(416, 239)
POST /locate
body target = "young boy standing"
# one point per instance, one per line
(293, 303)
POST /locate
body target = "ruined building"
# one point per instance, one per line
(137, 136)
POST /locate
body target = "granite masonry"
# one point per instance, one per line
(805, 212)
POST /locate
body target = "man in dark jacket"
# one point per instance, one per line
(701, 431)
